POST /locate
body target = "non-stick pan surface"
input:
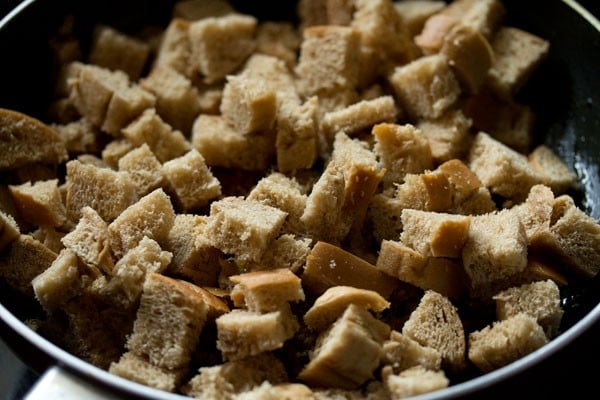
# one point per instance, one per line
(565, 94)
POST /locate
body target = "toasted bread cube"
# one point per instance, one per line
(9, 230)
(383, 215)
(495, 251)
(49, 237)
(328, 307)
(266, 291)
(191, 182)
(80, 136)
(535, 214)
(174, 50)
(244, 228)
(396, 259)
(402, 149)
(484, 16)
(198, 9)
(539, 299)
(278, 39)
(447, 135)
(40, 203)
(118, 51)
(106, 191)
(285, 391)
(542, 270)
(125, 105)
(402, 352)
(244, 333)
(194, 257)
(58, 283)
(275, 75)
(296, 140)
(435, 29)
(518, 54)
(151, 216)
(236, 377)
(346, 355)
(114, 150)
(429, 191)
(425, 87)
(287, 251)
(143, 168)
(90, 240)
(150, 128)
(168, 322)
(138, 369)
(329, 265)
(435, 323)
(221, 44)
(222, 146)
(23, 260)
(279, 191)
(435, 234)
(500, 168)
(505, 341)
(554, 172)
(359, 116)
(328, 59)
(177, 99)
(414, 13)
(415, 381)
(249, 104)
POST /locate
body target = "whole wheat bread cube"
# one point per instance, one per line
(168, 322)
(425, 87)
(415, 381)
(447, 135)
(384, 217)
(114, 150)
(436, 28)
(40, 203)
(287, 251)
(414, 13)
(505, 341)
(174, 50)
(138, 369)
(106, 191)
(144, 169)
(429, 191)
(80, 136)
(151, 216)
(535, 214)
(266, 291)
(116, 50)
(59, 283)
(297, 135)
(482, 15)
(9, 230)
(359, 116)
(435, 323)
(125, 105)
(553, 170)
(402, 352)
(177, 99)
(274, 74)
(278, 39)
(165, 142)
(219, 45)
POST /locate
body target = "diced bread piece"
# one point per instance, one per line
(505, 341)
(287, 251)
(23, 260)
(116, 50)
(266, 291)
(331, 305)
(168, 322)
(177, 99)
(150, 128)
(106, 191)
(482, 15)
(219, 45)
(9, 230)
(398, 260)
(90, 241)
(282, 391)
(144, 169)
(223, 146)
(174, 49)
(495, 252)
(384, 217)
(518, 54)
(415, 381)
(278, 39)
(359, 116)
(249, 104)
(80, 136)
(401, 149)
(194, 258)
(414, 13)
(40, 203)
(275, 75)
(328, 59)
(198, 9)
(236, 377)
(114, 150)
(138, 369)
(243, 228)
(328, 265)
(500, 168)
(553, 171)
(447, 135)
(535, 214)
(429, 191)
(28, 140)
(464, 182)
(435, 323)
(243, 333)
(58, 283)
(346, 355)
(539, 299)
(151, 216)
(425, 87)
(190, 181)
(539, 269)
(435, 29)
(402, 352)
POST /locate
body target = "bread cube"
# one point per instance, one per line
(106, 191)
(434, 32)
(80, 136)
(114, 150)
(484, 16)
(415, 381)
(402, 353)
(287, 251)
(425, 87)
(9, 230)
(40, 203)
(278, 39)
(297, 135)
(219, 45)
(505, 341)
(115, 50)
(553, 171)
(447, 135)
(535, 214)
(414, 13)
(362, 115)
(59, 283)
(266, 291)
(384, 217)
(144, 169)
(138, 369)
(150, 128)
(151, 216)
(125, 105)
(429, 191)
(174, 50)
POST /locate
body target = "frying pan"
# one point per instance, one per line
(564, 92)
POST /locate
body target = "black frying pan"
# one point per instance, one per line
(564, 92)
